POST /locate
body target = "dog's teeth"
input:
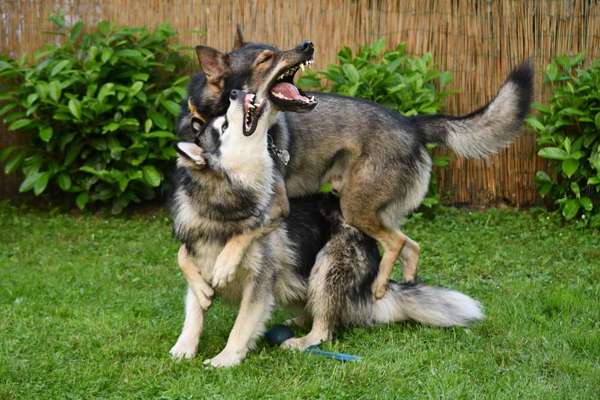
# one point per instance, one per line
(302, 67)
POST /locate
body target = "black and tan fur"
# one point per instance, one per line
(375, 158)
(312, 259)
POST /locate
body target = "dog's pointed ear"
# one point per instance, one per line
(191, 152)
(238, 42)
(214, 63)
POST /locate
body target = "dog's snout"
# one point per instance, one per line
(306, 46)
(234, 94)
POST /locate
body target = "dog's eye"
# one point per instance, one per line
(224, 126)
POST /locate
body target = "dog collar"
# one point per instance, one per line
(282, 154)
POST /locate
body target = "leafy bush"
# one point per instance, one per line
(568, 130)
(408, 84)
(99, 110)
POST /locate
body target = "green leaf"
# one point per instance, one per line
(103, 27)
(72, 152)
(586, 203)
(110, 127)
(171, 107)
(76, 31)
(326, 187)
(542, 176)
(29, 181)
(64, 181)
(6, 108)
(596, 120)
(40, 184)
(19, 124)
(148, 125)
(553, 153)
(535, 124)
(108, 89)
(575, 188)
(158, 119)
(75, 108)
(4, 153)
(135, 88)
(45, 133)
(32, 98)
(160, 135)
(54, 90)
(57, 20)
(569, 166)
(570, 208)
(106, 54)
(59, 67)
(551, 72)
(445, 78)
(82, 200)
(351, 72)
(14, 162)
(151, 175)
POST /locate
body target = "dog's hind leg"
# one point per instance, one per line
(394, 242)
(255, 309)
(187, 343)
(319, 333)
(326, 299)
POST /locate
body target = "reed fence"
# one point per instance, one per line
(479, 41)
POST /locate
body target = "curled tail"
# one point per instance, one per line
(428, 305)
(489, 129)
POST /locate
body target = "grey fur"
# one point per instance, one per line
(213, 203)
(375, 158)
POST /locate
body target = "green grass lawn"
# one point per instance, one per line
(90, 306)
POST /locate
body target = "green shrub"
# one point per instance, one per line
(99, 110)
(408, 84)
(568, 130)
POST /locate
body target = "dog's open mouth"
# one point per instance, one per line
(252, 113)
(286, 95)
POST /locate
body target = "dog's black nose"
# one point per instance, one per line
(306, 46)
(234, 94)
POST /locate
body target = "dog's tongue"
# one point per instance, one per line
(289, 91)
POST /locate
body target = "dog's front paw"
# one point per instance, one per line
(224, 272)
(379, 289)
(224, 359)
(184, 349)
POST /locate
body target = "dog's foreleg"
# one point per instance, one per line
(255, 310)
(195, 281)
(187, 343)
(231, 256)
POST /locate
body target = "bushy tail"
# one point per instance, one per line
(428, 305)
(490, 128)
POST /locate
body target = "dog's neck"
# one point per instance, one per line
(246, 158)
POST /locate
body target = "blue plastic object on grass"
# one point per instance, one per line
(280, 333)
